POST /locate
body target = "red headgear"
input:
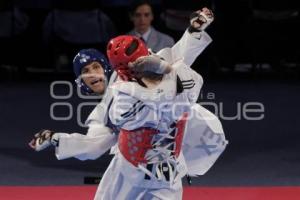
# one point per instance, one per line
(124, 49)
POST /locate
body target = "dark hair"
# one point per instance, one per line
(137, 3)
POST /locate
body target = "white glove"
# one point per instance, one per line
(201, 19)
(44, 139)
(149, 64)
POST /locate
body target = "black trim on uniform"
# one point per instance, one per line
(109, 123)
(149, 167)
(189, 86)
(131, 109)
(186, 81)
(179, 86)
(134, 111)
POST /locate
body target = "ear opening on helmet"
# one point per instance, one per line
(132, 47)
(122, 50)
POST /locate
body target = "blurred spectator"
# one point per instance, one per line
(79, 27)
(141, 16)
(78, 22)
(75, 25)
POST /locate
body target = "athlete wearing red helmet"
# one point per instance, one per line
(131, 59)
(122, 50)
(152, 153)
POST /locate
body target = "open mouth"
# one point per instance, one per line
(96, 81)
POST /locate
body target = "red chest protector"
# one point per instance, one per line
(134, 144)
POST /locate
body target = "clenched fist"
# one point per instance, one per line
(201, 19)
(43, 139)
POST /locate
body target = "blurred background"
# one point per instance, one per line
(254, 57)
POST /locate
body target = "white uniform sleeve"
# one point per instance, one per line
(84, 147)
(96, 142)
(187, 48)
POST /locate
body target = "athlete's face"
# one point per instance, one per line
(142, 18)
(93, 76)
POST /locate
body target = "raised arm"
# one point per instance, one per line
(194, 40)
(96, 142)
